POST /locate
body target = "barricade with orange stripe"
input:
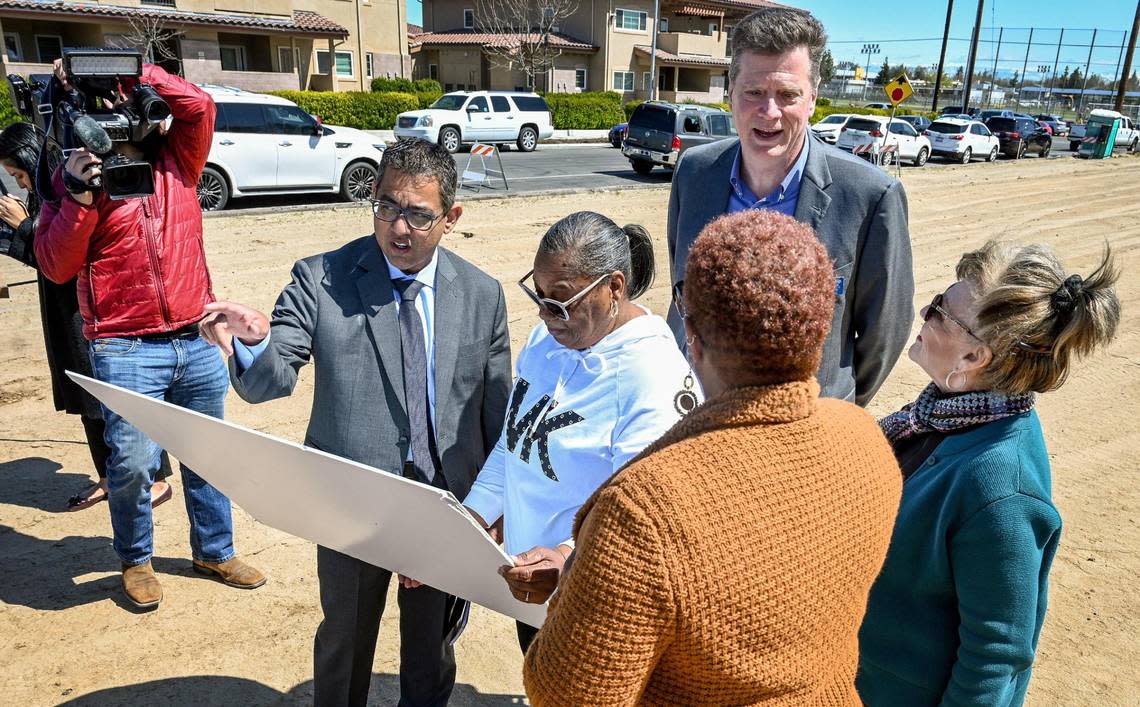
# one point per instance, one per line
(477, 179)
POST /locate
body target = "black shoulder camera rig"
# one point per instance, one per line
(94, 115)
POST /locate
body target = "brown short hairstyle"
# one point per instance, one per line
(1035, 316)
(760, 290)
(776, 30)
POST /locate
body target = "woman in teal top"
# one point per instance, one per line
(955, 615)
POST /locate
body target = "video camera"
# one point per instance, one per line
(93, 115)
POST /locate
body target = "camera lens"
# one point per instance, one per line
(125, 179)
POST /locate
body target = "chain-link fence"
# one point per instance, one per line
(1029, 69)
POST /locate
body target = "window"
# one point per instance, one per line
(343, 63)
(160, 3)
(12, 46)
(531, 104)
(49, 47)
(718, 124)
(646, 81)
(448, 87)
(580, 79)
(478, 104)
(530, 80)
(285, 61)
(692, 124)
(468, 18)
(243, 118)
(368, 64)
(713, 28)
(289, 120)
(663, 25)
(233, 57)
(623, 80)
(433, 72)
(630, 20)
(500, 104)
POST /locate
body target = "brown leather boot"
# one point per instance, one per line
(234, 572)
(141, 586)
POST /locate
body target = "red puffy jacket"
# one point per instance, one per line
(141, 262)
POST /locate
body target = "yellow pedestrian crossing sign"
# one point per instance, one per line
(899, 89)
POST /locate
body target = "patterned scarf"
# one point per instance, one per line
(935, 411)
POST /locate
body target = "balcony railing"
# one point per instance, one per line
(715, 45)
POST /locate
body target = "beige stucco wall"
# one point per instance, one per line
(460, 67)
(382, 32)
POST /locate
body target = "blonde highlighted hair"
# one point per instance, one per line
(1034, 316)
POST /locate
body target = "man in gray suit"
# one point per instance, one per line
(412, 363)
(858, 212)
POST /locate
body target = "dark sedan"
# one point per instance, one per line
(1020, 135)
(918, 122)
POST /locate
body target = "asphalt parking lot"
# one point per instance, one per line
(552, 166)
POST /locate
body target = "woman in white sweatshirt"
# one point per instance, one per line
(598, 380)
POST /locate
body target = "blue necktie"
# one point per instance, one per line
(415, 379)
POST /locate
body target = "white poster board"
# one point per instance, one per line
(375, 516)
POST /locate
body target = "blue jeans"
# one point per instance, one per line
(187, 372)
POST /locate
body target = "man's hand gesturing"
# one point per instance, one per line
(226, 320)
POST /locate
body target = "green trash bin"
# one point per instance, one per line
(1100, 134)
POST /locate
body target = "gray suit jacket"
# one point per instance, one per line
(860, 215)
(339, 312)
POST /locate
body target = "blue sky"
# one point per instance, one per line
(850, 24)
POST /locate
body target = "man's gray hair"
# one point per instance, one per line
(776, 30)
(420, 158)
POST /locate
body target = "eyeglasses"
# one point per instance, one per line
(553, 307)
(679, 299)
(935, 308)
(415, 218)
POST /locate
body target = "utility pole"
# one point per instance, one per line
(973, 58)
(868, 49)
(942, 55)
(653, 53)
(1119, 104)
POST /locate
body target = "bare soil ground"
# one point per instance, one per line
(66, 635)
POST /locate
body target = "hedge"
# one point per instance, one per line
(426, 91)
(600, 110)
(8, 113)
(353, 109)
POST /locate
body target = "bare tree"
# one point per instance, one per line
(526, 30)
(151, 37)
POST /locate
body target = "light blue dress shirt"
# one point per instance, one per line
(425, 305)
(783, 198)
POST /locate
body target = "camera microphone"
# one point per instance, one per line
(91, 134)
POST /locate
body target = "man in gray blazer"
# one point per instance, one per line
(412, 364)
(857, 211)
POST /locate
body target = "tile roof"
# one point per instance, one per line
(302, 21)
(671, 59)
(413, 30)
(470, 36)
(713, 8)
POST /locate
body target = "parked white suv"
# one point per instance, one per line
(268, 145)
(480, 116)
(962, 140)
(829, 128)
(869, 134)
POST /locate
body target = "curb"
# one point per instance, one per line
(460, 197)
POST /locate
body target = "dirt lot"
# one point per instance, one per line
(66, 635)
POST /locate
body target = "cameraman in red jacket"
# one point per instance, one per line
(142, 286)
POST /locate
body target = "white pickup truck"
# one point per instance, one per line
(1127, 136)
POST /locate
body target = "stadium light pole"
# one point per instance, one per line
(942, 56)
(868, 49)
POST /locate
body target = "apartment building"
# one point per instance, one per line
(259, 45)
(603, 46)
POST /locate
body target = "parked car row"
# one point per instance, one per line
(955, 136)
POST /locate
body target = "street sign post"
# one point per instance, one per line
(897, 90)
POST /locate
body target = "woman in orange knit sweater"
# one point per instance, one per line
(730, 562)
